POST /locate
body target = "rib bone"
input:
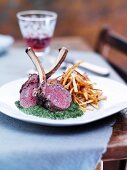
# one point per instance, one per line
(42, 76)
(37, 63)
(61, 57)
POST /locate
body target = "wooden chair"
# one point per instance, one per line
(108, 39)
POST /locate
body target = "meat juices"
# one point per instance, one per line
(37, 90)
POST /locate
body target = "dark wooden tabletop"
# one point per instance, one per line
(117, 147)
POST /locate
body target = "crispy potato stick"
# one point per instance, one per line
(74, 84)
(71, 90)
(67, 86)
(81, 88)
(80, 80)
(70, 71)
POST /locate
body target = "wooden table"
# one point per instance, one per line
(117, 147)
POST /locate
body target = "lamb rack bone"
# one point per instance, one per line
(38, 65)
(52, 96)
(60, 59)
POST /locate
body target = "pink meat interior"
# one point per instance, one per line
(59, 96)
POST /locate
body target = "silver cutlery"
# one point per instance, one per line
(102, 71)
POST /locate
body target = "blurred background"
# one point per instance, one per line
(83, 18)
(75, 18)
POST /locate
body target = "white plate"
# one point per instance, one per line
(116, 100)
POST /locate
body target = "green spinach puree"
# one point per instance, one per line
(72, 112)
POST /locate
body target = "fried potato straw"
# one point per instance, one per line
(81, 88)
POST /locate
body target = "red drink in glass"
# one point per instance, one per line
(37, 28)
(38, 44)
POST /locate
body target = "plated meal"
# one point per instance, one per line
(80, 90)
(66, 96)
